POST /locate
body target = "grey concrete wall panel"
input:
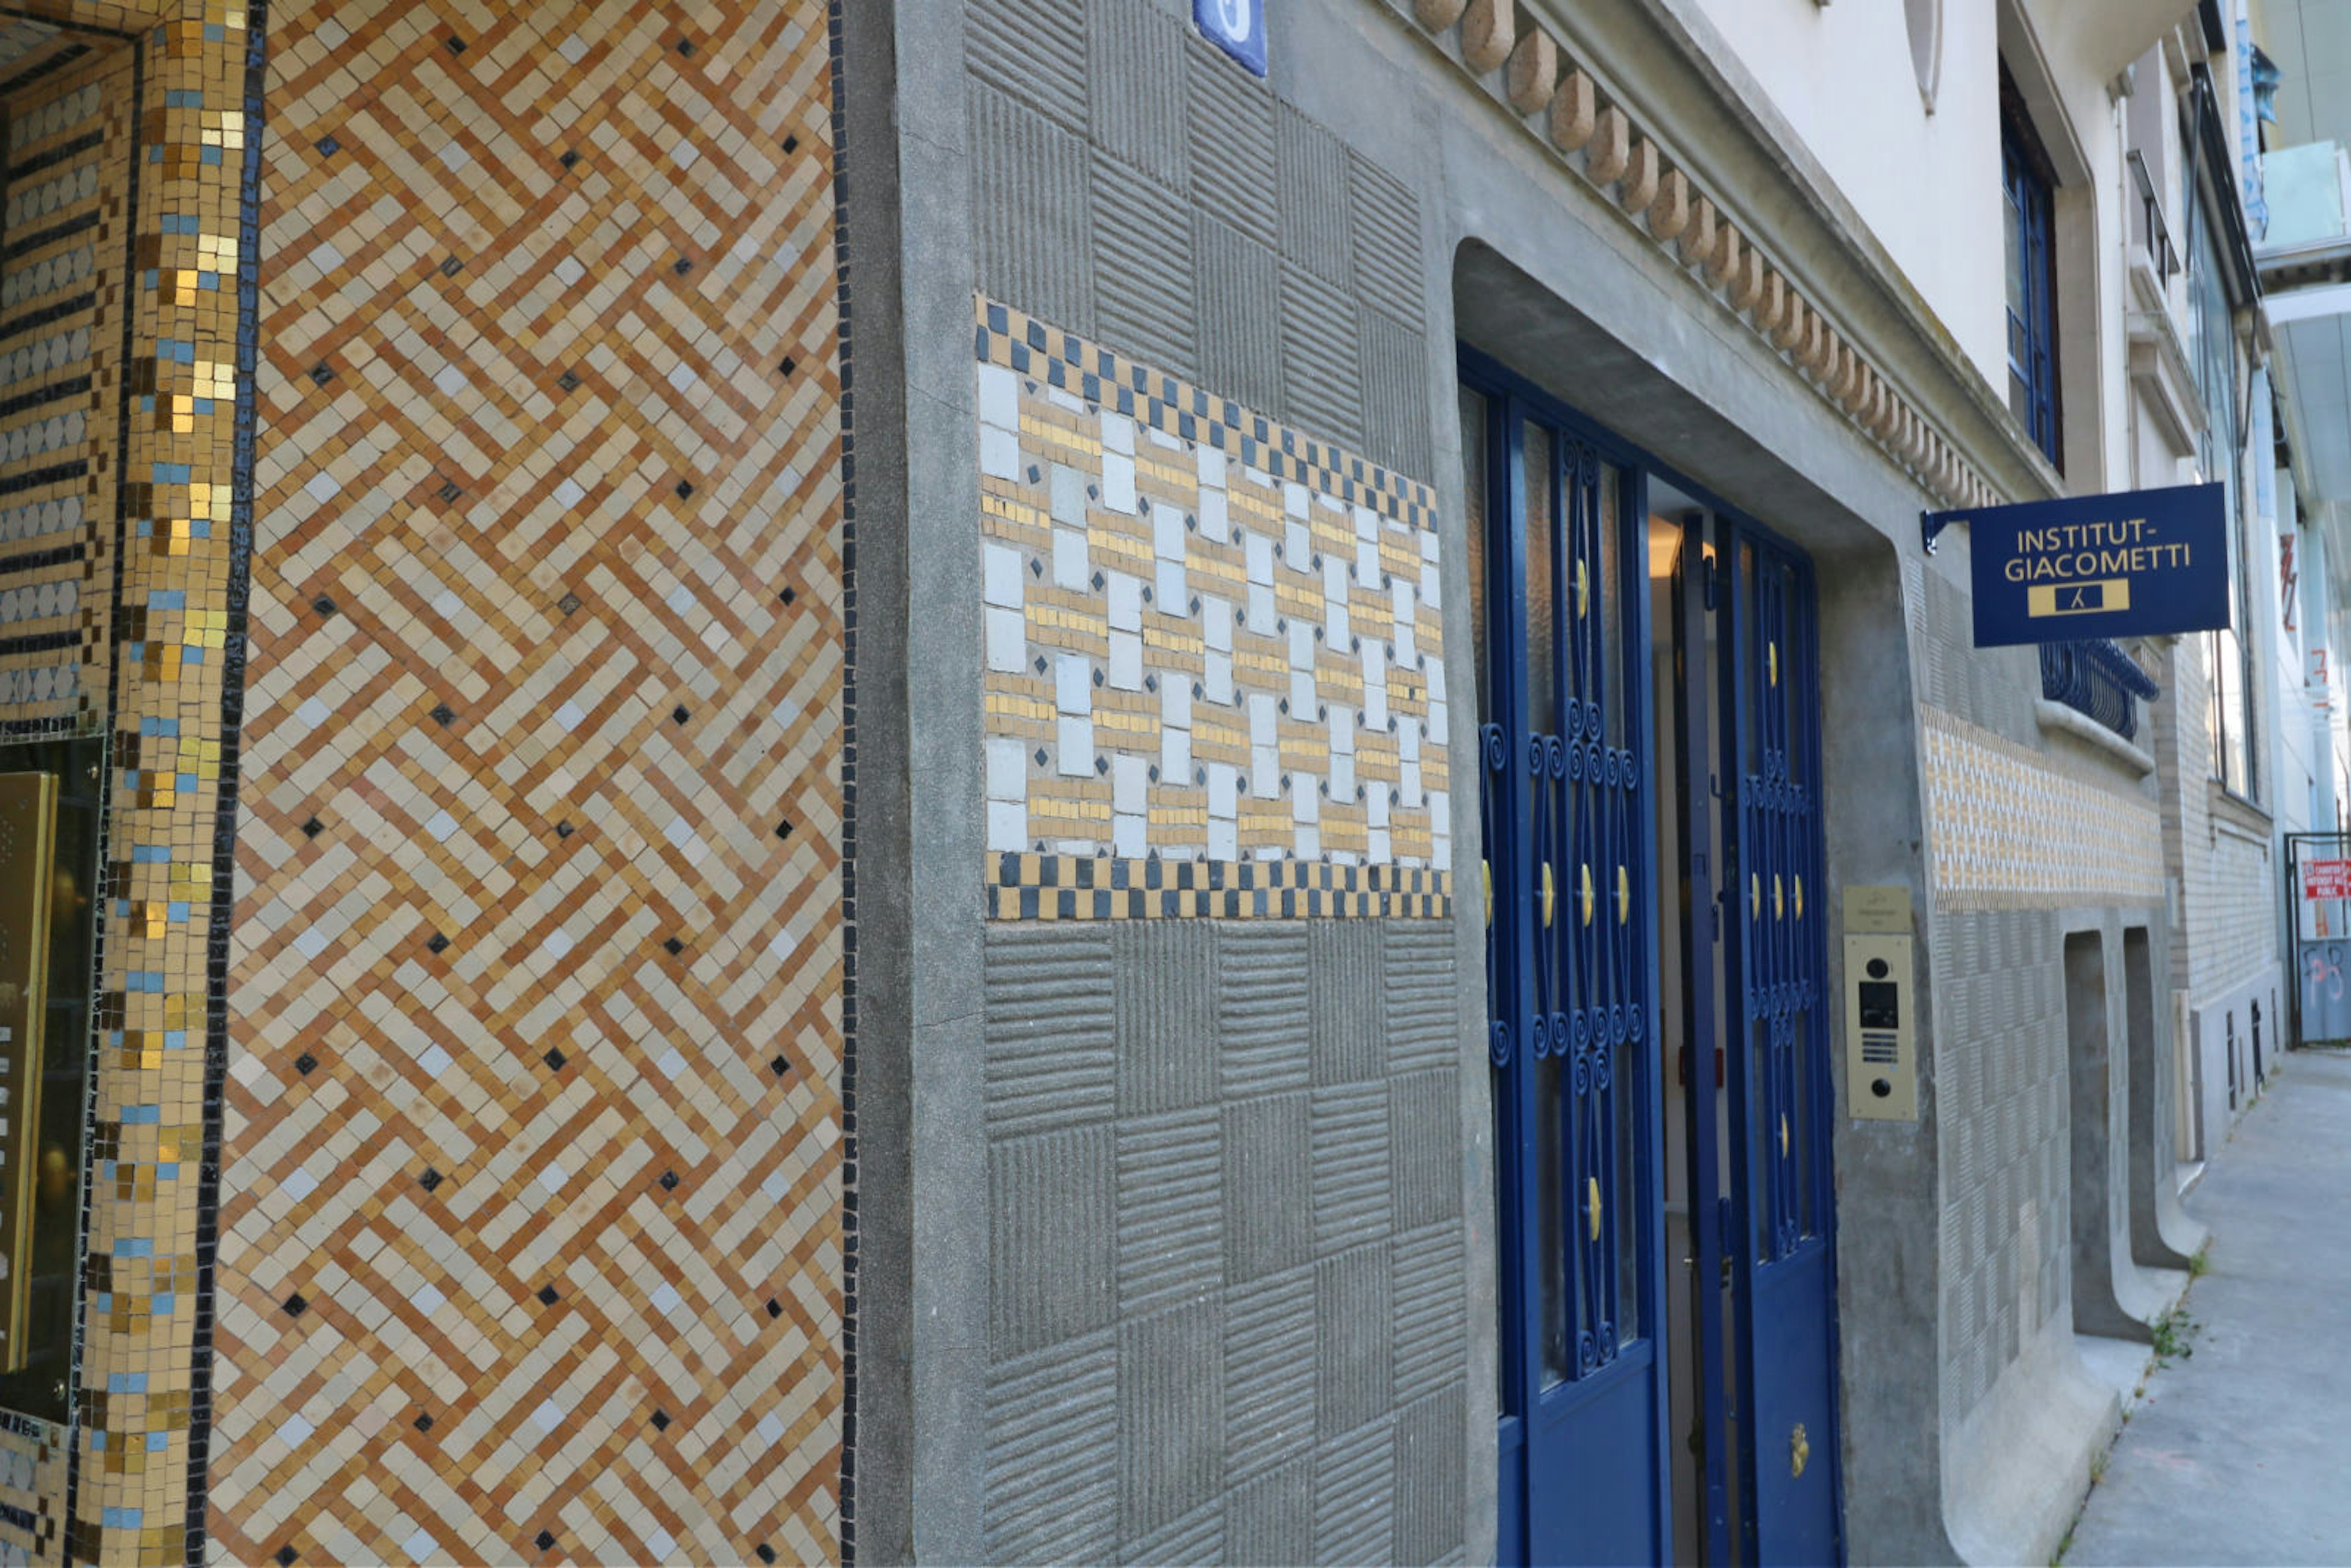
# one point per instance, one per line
(1035, 49)
(1263, 1017)
(1343, 1001)
(1051, 1223)
(1171, 1208)
(1388, 247)
(1166, 1016)
(1354, 1377)
(1354, 1499)
(1239, 311)
(1171, 1418)
(1270, 1518)
(1425, 1114)
(1198, 1537)
(1315, 216)
(1420, 996)
(1049, 1021)
(1052, 1453)
(1031, 208)
(1320, 376)
(1146, 290)
(1135, 92)
(2162, 1235)
(1268, 1192)
(1234, 172)
(1268, 1372)
(1430, 1472)
(1394, 364)
(1350, 1137)
(1431, 1311)
(2098, 1088)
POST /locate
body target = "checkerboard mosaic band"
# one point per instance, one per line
(1069, 887)
(1214, 679)
(2006, 830)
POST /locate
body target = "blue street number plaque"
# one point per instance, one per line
(2137, 564)
(1236, 26)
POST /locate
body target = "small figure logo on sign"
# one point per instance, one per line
(1236, 26)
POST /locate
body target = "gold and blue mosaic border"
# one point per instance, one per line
(1213, 652)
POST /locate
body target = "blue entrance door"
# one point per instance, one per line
(1570, 975)
(1773, 899)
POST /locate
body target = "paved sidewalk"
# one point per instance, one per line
(2239, 1453)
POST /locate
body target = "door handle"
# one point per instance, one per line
(1487, 869)
(1587, 894)
(1783, 1134)
(1550, 894)
(1591, 1204)
(1624, 896)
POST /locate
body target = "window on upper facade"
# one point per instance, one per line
(2031, 255)
(2229, 653)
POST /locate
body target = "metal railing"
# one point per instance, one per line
(2155, 232)
(2097, 680)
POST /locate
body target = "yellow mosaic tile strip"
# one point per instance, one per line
(1211, 643)
(532, 1238)
(142, 1372)
(2006, 831)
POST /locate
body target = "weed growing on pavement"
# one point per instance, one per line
(2173, 1332)
(2202, 1264)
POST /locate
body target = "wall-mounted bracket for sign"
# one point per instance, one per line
(2139, 563)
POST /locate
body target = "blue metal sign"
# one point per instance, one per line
(1236, 26)
(2136, 564)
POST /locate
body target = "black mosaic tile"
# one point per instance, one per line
(305, 1064)
(442, 713)
(438, 943)
(674, 947)
(430, 1180)
(547, 1295)
(554, 1059)
(295, 1305)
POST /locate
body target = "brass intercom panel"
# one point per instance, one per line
(1881, 1059)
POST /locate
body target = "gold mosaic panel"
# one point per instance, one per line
(2007, 830)
(1215, 673)
(531, 1240)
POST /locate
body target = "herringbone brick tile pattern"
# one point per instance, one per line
(531, 1231)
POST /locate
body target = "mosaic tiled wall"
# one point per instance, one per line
(2008, 830)
(1214, 674)
(532, 1235)
(68, 140)
(165, 228)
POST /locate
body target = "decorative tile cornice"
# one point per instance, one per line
(1563, 102)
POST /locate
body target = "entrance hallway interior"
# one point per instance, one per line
(2234, 1454)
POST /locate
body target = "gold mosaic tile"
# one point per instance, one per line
(1214, 674)
(2008, 830)
(532, 1235)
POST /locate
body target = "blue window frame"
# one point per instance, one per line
(2028, 223)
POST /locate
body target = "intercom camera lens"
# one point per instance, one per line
(1877, 968)
(1881, 1088)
